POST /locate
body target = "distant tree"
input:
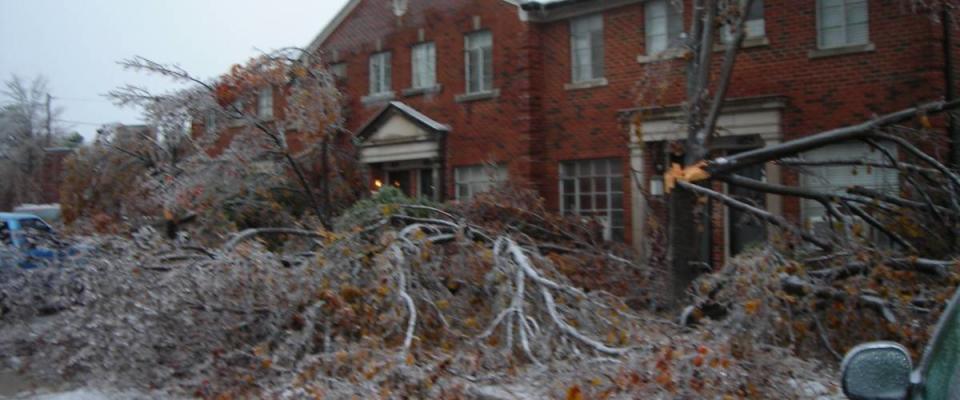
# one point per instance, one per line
(73, 140)
(223, 144)
(27, 126)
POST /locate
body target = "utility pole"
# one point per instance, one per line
(49, 123)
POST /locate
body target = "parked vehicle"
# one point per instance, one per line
(884, 370)
(27, 241)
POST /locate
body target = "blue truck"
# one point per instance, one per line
(27, 241)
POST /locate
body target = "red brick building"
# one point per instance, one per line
(581, 98)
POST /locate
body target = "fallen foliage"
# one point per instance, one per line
(405, 300)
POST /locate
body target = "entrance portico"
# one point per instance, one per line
(405, 148)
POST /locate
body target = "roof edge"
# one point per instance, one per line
(410, 113)
(332, 26)
(346, 11)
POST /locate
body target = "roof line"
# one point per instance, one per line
(332, 25)
(410, 112)
(344, 13)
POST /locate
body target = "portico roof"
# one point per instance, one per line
(399, 133)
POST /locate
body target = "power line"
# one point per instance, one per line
(82, 99)
(66, 121)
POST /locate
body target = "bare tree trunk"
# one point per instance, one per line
(685, 256)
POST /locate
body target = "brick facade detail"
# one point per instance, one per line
(539, 121)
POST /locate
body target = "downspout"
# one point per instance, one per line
(949, 80)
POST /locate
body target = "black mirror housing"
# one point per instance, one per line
(877, 371)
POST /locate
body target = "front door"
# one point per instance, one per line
(400, 180)
(746, 230)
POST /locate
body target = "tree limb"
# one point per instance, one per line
(764, 214)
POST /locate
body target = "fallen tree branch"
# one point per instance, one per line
(250, 233)
(798, 287)
(764, 214)
(724, 165)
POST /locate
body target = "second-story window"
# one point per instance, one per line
(664, 25)
(380, 73)
(842, 23)
(339, 71)
(586, 46)
(424, 61)
(755, 25)
(210, 122)
(265, 103)
(479, 62)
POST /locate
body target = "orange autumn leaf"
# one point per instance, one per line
(751, 306)
(574, 393)
(925, 122)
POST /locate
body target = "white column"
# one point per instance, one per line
(638, 202)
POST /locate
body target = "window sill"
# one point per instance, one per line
(844, 50)
(421, 91)
(756, 41)
(667, 54)
(378, 98)
(490, 94)
(593, 83)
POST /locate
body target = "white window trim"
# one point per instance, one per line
(807, 181)
(379, 64)
(752, 26)
(490, 176)
(210, 123)
(610, 176)
(595, 75)
(265, 103)
(484, 87)
(646, 19)
(416, 66)
(338, 70)
(846, 44)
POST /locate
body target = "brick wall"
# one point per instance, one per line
(494, 130)
(537, 122)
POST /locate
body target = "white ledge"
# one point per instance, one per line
(844, 50)
(593, 83)
(468, 97)
(756, 41)
(378, 98)
(667, 54)
(422, 90)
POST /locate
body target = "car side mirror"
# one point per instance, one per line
(877, 371)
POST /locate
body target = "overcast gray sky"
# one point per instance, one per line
(76, 43)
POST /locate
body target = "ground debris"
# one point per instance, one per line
(401, 301)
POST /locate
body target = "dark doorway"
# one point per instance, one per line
(426, 184)
(400, 180)
(746, 230)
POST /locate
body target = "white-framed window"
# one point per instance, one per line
(842, 23)
(474, 179)
(238, 107)
(479, 61)
(424, 65)
(339, 71)
(594, 188)
(663, 25)
(265, 103)
(380, 73)
(755, 25)
(210, 122)
(586, 47)
(837, 179)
